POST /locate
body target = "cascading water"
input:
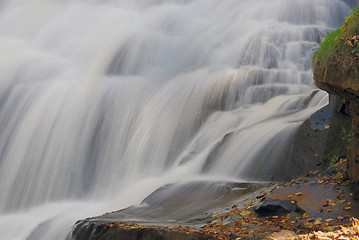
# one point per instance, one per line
(102, 102)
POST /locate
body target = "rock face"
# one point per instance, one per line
(340, 128)
(310, 141)
(336, 70)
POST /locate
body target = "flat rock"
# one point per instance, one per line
(100, 231)
(282, 235)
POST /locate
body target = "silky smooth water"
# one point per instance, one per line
(102, 102)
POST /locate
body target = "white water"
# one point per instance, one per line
(102, 102)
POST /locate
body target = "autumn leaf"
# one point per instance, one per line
(356, 228)
(343, 228)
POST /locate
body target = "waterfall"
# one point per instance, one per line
(102, 102)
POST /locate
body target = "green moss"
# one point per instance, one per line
(336, 41)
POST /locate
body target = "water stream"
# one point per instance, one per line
(103, 102)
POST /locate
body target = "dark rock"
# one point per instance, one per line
(86, 230)
(309, 143)
(340, 123)
(271, 207)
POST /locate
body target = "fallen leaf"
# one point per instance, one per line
(299, 194)
(329, 209)
(343, 238)
(243, 213)
(317, 222)
(340, 196)
(356, 229)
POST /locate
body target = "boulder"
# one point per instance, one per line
(276, 207)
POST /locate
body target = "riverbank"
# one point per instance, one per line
(321, 204)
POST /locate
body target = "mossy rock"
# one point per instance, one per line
(336, 63)
(336, 70)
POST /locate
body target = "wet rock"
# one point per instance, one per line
(272, 207)
(101, 231)
(309, 143)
